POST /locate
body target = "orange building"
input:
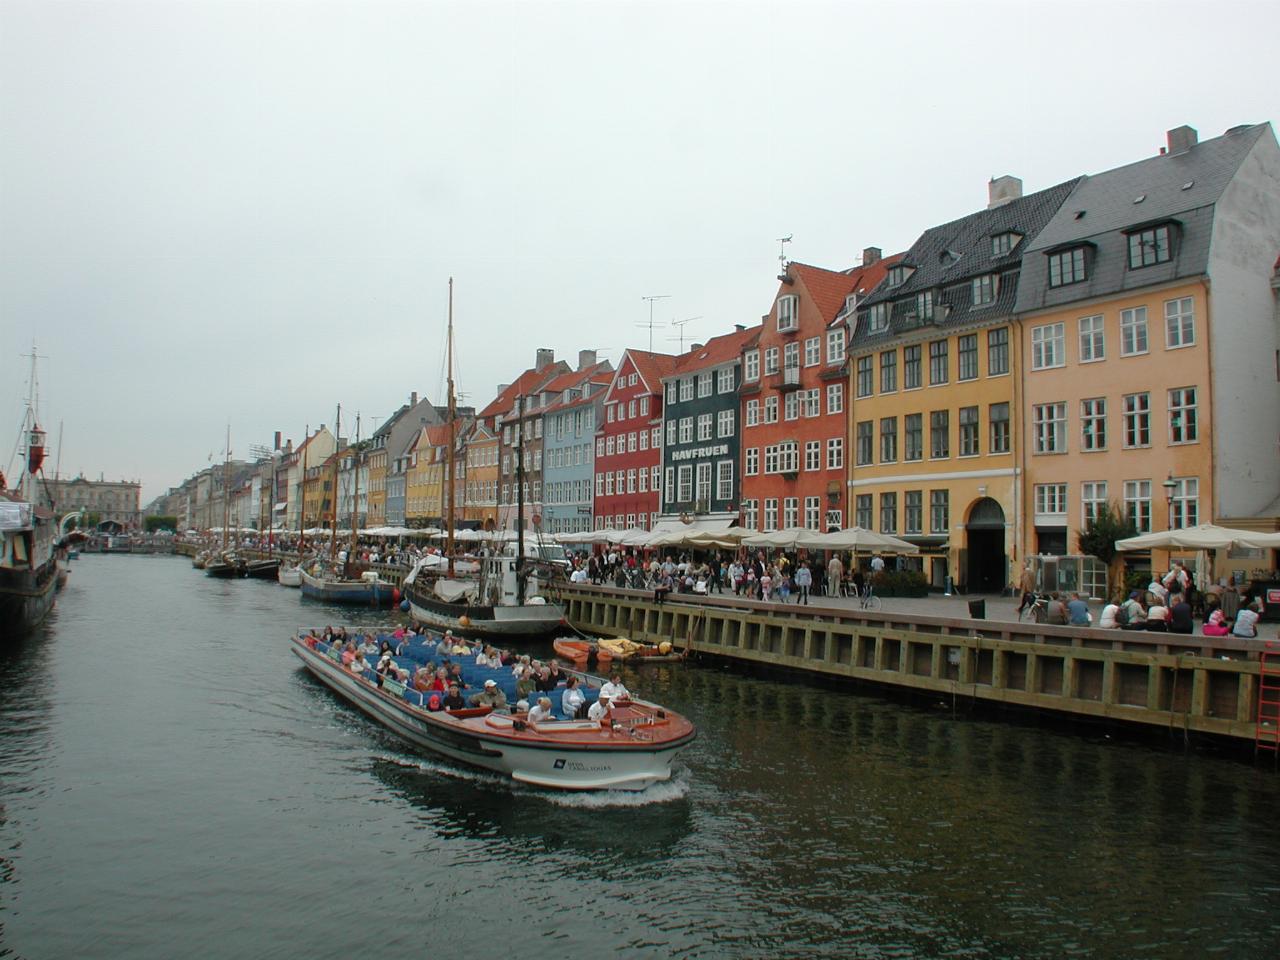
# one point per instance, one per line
(795, 386)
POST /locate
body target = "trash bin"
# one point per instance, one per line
(978, 609)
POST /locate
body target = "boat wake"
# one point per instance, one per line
(672, 790)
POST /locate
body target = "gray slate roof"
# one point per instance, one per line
(938, 268)
(1103, 206)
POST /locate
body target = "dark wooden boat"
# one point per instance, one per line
(265, 569)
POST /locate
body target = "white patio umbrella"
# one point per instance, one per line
(859, 538)
(787, 539)
(1204, 536)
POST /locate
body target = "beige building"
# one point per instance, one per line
(119, 501)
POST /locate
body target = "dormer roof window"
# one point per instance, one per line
(898, 274)
(1003, 243)
(878, 318)
(1149, 245)
(788, 312)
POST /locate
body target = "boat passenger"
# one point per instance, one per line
(359, 664)
(454, 701)
(455, 675)
(490, 696)
(348, 653)
(614, 690)
(369, 647)
(384, 649)
(440, 683)
(572, 700)
(482, 658)
(526, 681)
(544, 682)
(422, 679)
(445, 646)
(402, 647)
(541, 713)
(556, 675)
(522, 706)
(1158, 617)
(600, 709)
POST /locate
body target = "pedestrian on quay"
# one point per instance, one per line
(804, 580)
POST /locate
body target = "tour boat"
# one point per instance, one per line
(633, 749)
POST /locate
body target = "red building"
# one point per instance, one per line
(795, 389)
(629, 443)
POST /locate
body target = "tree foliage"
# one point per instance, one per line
(1099, 536)
(160, 523)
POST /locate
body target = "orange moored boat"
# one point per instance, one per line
(577, 652)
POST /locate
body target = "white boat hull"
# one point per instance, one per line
(289, 576)
(553, 765)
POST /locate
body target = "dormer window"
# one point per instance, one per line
(924, 305)
(985, 289)
(898, 275)
(1150, 245)
(878, 318)
(850, 304)
(1003, 243)
(1067, 267)
(788, 312)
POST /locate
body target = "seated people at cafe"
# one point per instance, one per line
(1078, 612)
(1107, 619)
(1135, 613)
(1158, 617)
(1246, 624)
(1180, 614)
(541, 711)
(1216, 624)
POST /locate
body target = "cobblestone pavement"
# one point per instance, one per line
(935, 605)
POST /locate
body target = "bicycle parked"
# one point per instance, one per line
(867, 599)
(1036, 608)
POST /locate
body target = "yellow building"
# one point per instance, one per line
(934, 393)
(377, 499)
(479, 502)
(1149, 344)
(425, 487)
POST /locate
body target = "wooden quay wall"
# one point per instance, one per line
(1190, 684)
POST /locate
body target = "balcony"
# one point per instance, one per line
(787, 379)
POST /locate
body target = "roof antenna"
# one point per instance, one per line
(782, 250)
(679, 324)
(650, 324)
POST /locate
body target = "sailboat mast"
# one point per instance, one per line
(355, 493)
(453, 427)
(333, 526)
(302, 496)
(57, 467)
(520, 502)
(226, 489)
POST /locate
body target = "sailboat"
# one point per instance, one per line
(29, 544)
(334, 583)
(225, 564)
(502, 600)
(291, 575)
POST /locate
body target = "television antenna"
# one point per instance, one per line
(782, 250)
(650, 324)
(679, 324)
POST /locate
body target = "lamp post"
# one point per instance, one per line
(1169, 486)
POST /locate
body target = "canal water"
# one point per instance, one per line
(173, 784)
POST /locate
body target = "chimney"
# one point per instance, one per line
(1000, 190)
(503, 388)
(694, 346)
(413, 399)
(546, 356)
(277, 443)
(586, 358)
(871, 255)
(1182, 139)
(739, 327)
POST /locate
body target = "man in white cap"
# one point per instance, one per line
(600, 709)
(490, 696)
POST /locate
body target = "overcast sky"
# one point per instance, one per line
(247, 213)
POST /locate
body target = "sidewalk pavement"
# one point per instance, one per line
(955, 606)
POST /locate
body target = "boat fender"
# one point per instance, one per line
(464, 621)
(395, 594)
(404, 605)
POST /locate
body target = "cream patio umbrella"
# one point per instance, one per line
(787, 539)
(1204, 536)
(859, 538)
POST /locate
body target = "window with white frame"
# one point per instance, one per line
(643, 480)
(1093, 424)
(967, 357)
(835, 345)
(644, 439)
(599, 486)
(889, 513)
(653, 479)
(1047, 346)
(751, 366)
(704, 426)
(753, 412)
(939, 511)
(644, 407)
(1184, 507)
(686, 389)
(1051, 500)
(939, 434)
(913, 511)
(1093, 342)
(1182, 415)
(813, 454)
(631, 481)
(788, 312)
(724, 480)
(610, 412)
(811, 402)
(1137, 420)
(791, 356)
(1179, 323)
(686, 429)
(789, 457)
(835, 398)
(770, 361)
(631, 408)
(1002, 243)
(753, 461)
(610, 445)
(790, 512)
(771, 409)
(1049, 426)
(684, 483)
(751, 514)
(968, 424)
(812, 513)
(771, 458)
(862, 510)
(770, 514)
(834, 518)
(939, 365)
(835, 453)
(1093, 497)
(791, 407)
(812, 351)
(703, 491)
(608, 483)
(924, 305)
(671, 433)
(724, 423)
(704, 384)
(655, 439)
(1133, 331)
(1137, 504)
(724, 380)
(631, 442)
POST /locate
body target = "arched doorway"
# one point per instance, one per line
(987, 567)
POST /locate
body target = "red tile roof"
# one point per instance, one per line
(528, 382)
(601, 373)
(717, 350)
(829, 288)
(652, 367)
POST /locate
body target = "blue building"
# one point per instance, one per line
(568, 450)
